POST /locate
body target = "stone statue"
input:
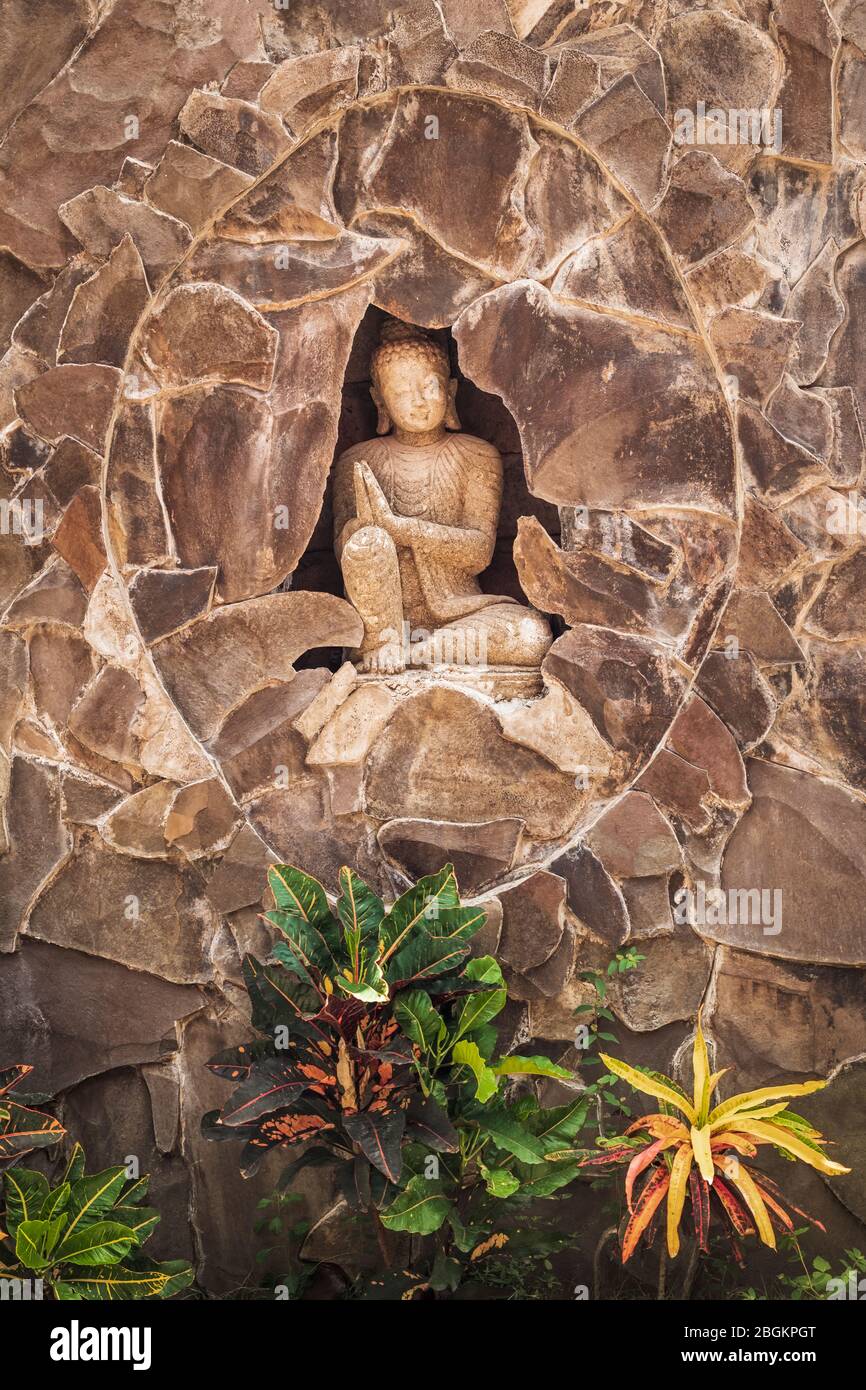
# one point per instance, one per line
(415, 514)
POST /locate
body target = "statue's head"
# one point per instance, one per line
(412, 383)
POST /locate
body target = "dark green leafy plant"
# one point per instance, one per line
(83, 1236)
(376, 1048)
(23, 1129)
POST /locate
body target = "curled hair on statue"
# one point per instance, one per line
(404, 341)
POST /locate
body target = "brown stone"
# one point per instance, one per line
(699, 736)
(649, 906)
(86, 800)
(298, 825)
(713, 57)
(240, 878)
(202, 819)
(257, 746)
(752, 619)
(14, 656)
(624, 128)
(634, 840)
(136, 523)
(309, 87)
(104, 717)
(19, 288)
(824, 717)
(739, 694)
(70, 467)
(203, 332)
(211, 666)
(234, 132)
(101, 218)
(804, 837)
(776, 466)
(278, 276)
(55, 596)
(137, 826)
(754, 347)
(353, 729)
(816, 302)
(38, 331)
(78, 538)
(628, 685)
(679, 786)
(425, 284)
(533, 921)
(480, 853)
(37, 842)
(839, 612)
(246, 79)
(105, 310)
(593, 897)
(705, 207)
(442, 756)
(669, 984)
(619, 383)
(74, 400)
(142, 914)
(72, 1034)
(294, 202)
(808, 39)
(191, 186)
(627, 272)
(497, 65)
(165, 600)
(61, 665)
(728, 278)
(560, 729)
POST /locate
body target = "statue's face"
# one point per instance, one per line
(414, 395)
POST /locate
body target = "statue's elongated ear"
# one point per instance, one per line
(384, 422)
(452, 419)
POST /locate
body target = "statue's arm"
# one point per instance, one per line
(346, 521)
(471, 545)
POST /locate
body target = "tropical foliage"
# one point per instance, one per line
(377, 1047)
(693, 1150)
(22, 1129)
(83, 1236)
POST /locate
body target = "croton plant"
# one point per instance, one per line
(23, 1128)
(694, 1150)
(376, 1047)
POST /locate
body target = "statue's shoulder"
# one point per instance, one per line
(479, 453)
(369, 450)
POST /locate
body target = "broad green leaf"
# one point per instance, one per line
(299, 893)
(56, 1202)
(26, 1194)
(531, 1066)
(484, 970)
(542, 1180)
(380, 1137)
(414, 1011)
(35, 1241)
(466, 1054)
(418, 909)
(560, 1125)
(75, 1166)
(306, 946)
(135, 1190)
(478, 1009)
(359, 908)
(118, 1284)
(101, 1242)
(93, 1196)
(140, 1220)
(500, 1182)
(372, 990)
(509, 1134)
(425, 956)
(420, 1208)
(10, 1077)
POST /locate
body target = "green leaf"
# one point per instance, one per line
(544, 1179)
(299, 894)
(75, 1166)
(93, 1196)
(101, 1242)
(466, 1054)
(425, 956)
(418, 908)
(508, 1134)
(26, 1194)
(55, 1202)
(140, 1220)
(372, 990)
(35, 1241)
(22, 1130)
(478, 1009)
(530, 1066)
(359, 908)
(446, 1273)
(500, 1182)
(420, 1208)
(120, 1284)
(417, 1017)
(306, 946)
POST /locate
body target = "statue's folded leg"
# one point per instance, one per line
(371, 576)
(503, 634)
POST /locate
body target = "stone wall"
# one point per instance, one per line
(205, 210)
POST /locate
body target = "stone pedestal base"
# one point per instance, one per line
(497, 682)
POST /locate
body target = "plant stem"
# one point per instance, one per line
(381, 1237)
(691, 1271)
(663, 1270)
(596, 1259)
